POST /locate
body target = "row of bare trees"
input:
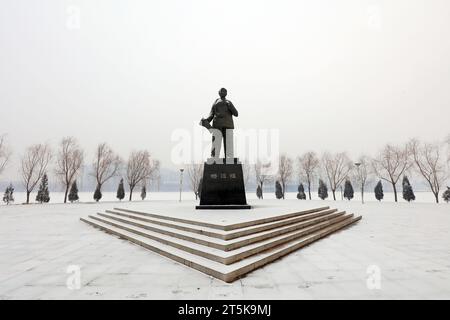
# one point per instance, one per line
(427, 160)
(140, 167)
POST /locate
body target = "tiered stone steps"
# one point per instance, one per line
(223, 251)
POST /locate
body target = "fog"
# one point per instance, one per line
(330, 75)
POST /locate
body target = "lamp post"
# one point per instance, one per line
(181, 182)
(358, 165)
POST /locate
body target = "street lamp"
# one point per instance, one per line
(181, 182)
(358, 165)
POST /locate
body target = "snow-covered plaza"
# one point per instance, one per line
(397, 251)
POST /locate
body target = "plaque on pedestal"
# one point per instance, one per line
(223, 185)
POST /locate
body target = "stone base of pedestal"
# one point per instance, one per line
(223, 185)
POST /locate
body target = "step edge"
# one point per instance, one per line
(226, 235)
(210, 243)
(225, 257)
(234, 274)
(221, 244)
(224, 227)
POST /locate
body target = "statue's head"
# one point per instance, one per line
(223, 93)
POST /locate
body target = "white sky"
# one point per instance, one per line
(331, 75)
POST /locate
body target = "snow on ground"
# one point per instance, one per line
(409, 243)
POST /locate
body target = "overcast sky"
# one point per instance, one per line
(331, 75)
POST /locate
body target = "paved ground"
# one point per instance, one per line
(398, 251)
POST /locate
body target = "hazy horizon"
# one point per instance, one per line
(337, 76)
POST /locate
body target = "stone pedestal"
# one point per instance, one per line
(223, 185)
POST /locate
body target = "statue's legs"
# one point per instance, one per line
(216, 142)
(228, 143)
(217, 136)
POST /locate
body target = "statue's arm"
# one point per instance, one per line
(232, 109)
(211, 114)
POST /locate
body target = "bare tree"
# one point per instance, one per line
(34, 165)
(391, 163)
(5, 153)
(140, 168)
(106, 164)
(307, 165)
(68, 163)
(285, 170)
(195, 172)
(262, 174)
(430, 163)
(337, 167)
(362, 173)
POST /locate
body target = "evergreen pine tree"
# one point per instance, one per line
(323, 190)
(408, 193)
(73, 194)
(8, 197)
(301, 192)
(278, 190)
(143, 192)
(120, 191)
(259, 192)
(379, 195)
(348, 190)
(97, 193)
(43, 193)
(446, 195)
